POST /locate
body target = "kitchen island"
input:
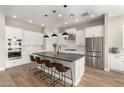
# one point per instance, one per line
(75, 61)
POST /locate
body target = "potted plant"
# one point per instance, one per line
(56, 48)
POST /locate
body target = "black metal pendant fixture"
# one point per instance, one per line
(46, 36)
(65, 34)
(54, 35)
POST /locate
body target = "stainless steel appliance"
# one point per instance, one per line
(14, 55)
(71, 36)
(94, 52)
(14, 48)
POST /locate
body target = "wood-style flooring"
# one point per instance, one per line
(20, 77)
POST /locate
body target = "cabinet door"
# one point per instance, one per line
(89, 32)
(95, 31)
(117, 62)
(13, 32)
(26, 37)
(39, 38)
(80, 37)
(98, 31)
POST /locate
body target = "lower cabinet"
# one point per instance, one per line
(12, 63)
(117, 62)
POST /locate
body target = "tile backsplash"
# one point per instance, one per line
(71, 45)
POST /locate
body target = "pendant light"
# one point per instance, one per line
(54, 35)
(46, 36)
(65, 34)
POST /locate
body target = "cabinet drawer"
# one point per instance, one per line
(12, 63)
(117, 62)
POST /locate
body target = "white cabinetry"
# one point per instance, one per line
(123, 36)
(80, 37)
(12, 32)
(28, 50)
(32, 38)
(12, 63)
(117, 62)
(95, 31)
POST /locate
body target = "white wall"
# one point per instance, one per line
(115, 25)
(2, 41)
(115, 31)
(106, 48)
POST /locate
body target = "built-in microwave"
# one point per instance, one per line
(71, 36)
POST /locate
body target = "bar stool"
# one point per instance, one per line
(50, 67)
(32, 62)
(62, 72)
(40, 62)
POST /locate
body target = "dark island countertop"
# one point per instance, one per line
(70, 57)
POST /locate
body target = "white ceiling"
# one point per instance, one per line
(36, 13)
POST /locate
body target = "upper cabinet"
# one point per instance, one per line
(80, 37)
(95, 31)
(32, 38)
(13, 32)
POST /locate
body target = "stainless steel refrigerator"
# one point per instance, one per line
(94, 52)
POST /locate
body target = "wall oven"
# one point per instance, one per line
(14, 48)
(14, 55)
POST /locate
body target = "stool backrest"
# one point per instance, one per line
(48, 63)
(60, 67)
(32, 58)
(38, 60)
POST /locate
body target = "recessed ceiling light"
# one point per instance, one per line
(59, 15)
(30, 21)
(57, 25)
(14, 16)
(42, 25)
(66, 23)
(92, 15)
(76, 20)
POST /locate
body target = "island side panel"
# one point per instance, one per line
(79, 68)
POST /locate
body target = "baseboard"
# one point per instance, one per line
(2, 69)
(106, 69)
(117, 70)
